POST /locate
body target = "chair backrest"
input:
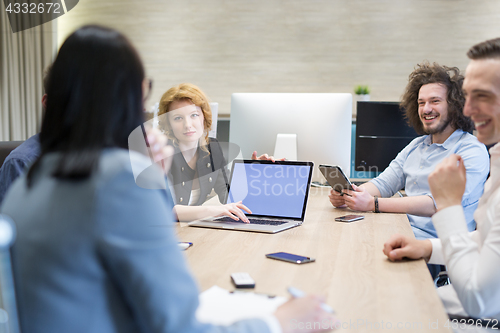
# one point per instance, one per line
(215, 115)
(6, 147)
(9, 321)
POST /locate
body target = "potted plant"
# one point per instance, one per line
(362, 93)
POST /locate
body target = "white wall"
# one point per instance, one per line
(291, 46)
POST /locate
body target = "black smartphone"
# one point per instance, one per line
(349, 218)
(336, 178)
(288, 257)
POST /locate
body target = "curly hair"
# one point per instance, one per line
(185, 91)
(449, 77)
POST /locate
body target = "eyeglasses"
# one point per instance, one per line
(148, 87)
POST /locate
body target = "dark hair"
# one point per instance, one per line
(95, 100)
(449, 77)
(486, 50)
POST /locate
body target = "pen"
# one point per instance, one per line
(297, 293)
(185, 245)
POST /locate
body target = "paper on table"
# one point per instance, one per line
(220, 307)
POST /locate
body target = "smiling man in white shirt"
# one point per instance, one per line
(472, 259)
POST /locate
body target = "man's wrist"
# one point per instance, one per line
(427, 247)
(445, 203)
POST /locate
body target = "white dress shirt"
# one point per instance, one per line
(472, 259)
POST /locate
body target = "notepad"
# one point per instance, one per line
(218, 306)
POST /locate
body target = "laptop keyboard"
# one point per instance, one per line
(252, 221)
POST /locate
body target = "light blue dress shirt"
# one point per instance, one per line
(410, 169)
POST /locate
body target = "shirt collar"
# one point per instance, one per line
(450, 142)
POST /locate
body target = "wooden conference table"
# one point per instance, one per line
(367, 291)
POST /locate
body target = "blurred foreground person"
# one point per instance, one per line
(94, 251)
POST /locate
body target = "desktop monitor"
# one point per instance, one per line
(381, 133)
(321, 122)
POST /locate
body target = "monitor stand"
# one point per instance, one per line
(286, 147)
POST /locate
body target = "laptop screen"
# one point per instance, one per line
(272, 189)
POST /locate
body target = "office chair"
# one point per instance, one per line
(215, 116)
(442, 279)
(6, 147)
(9, 322)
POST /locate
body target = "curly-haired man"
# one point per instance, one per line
(434, 104)
(471, 259)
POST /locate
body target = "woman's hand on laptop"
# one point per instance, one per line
(265, 157)
(336, 199)
(233, 210)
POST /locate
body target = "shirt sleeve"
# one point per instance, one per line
(437, 253)
(11, 169)
(477, 166)
(393, 178)
(473, 271)
(137, 244)
(437, 249)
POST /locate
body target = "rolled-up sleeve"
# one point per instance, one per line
(393, 178)
(477, 166)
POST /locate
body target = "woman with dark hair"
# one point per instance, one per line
(87, 257)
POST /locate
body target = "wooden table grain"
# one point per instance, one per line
(367, 291)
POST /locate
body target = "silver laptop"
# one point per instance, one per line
(276, 193)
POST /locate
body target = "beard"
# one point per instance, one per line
(440, 128)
